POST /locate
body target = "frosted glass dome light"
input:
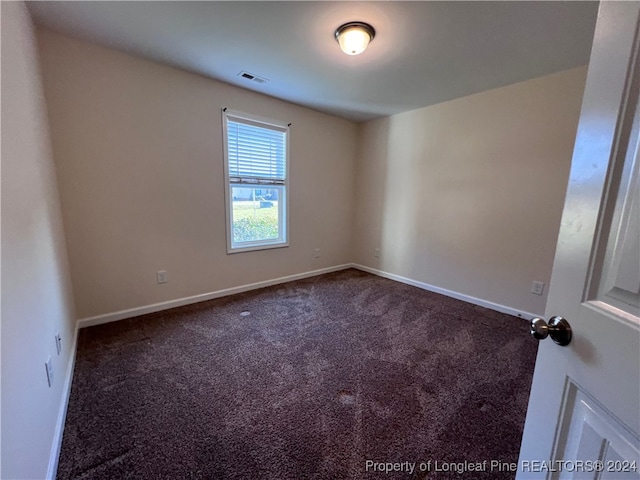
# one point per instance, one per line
(354, 37)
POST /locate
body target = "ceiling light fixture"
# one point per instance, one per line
(354, 37)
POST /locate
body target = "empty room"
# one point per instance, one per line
(323, 240)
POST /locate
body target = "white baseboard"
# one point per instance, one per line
(62, 412)
(449, 293)
(157, 307)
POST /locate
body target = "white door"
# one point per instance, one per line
(584, 406)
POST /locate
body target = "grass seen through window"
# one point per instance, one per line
(255, 220)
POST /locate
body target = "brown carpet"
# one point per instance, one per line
(324, 377)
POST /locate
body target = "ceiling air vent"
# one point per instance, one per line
(252, 77)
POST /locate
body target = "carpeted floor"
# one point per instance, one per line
(322, 378)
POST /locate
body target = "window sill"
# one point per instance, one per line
(258, 246)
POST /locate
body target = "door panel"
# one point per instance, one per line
(616, 270)
(594, 436)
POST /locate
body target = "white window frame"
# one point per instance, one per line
(283, 198)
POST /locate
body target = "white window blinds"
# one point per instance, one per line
(256, 154)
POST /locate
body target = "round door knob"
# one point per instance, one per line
(558, 329)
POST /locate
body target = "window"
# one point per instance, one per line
(256, 153)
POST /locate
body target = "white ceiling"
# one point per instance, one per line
(423, 53)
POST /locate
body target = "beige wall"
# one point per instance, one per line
(36, 292)
(467, 195)
(464, 195)
(139, 151)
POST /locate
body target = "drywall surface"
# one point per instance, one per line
(37, 301)
(467, 195)
(138, 146)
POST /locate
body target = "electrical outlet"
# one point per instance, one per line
(49, 369)
(58, 343)
(162, 276)
(376, 253)
(537, 288)
(317, 253)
